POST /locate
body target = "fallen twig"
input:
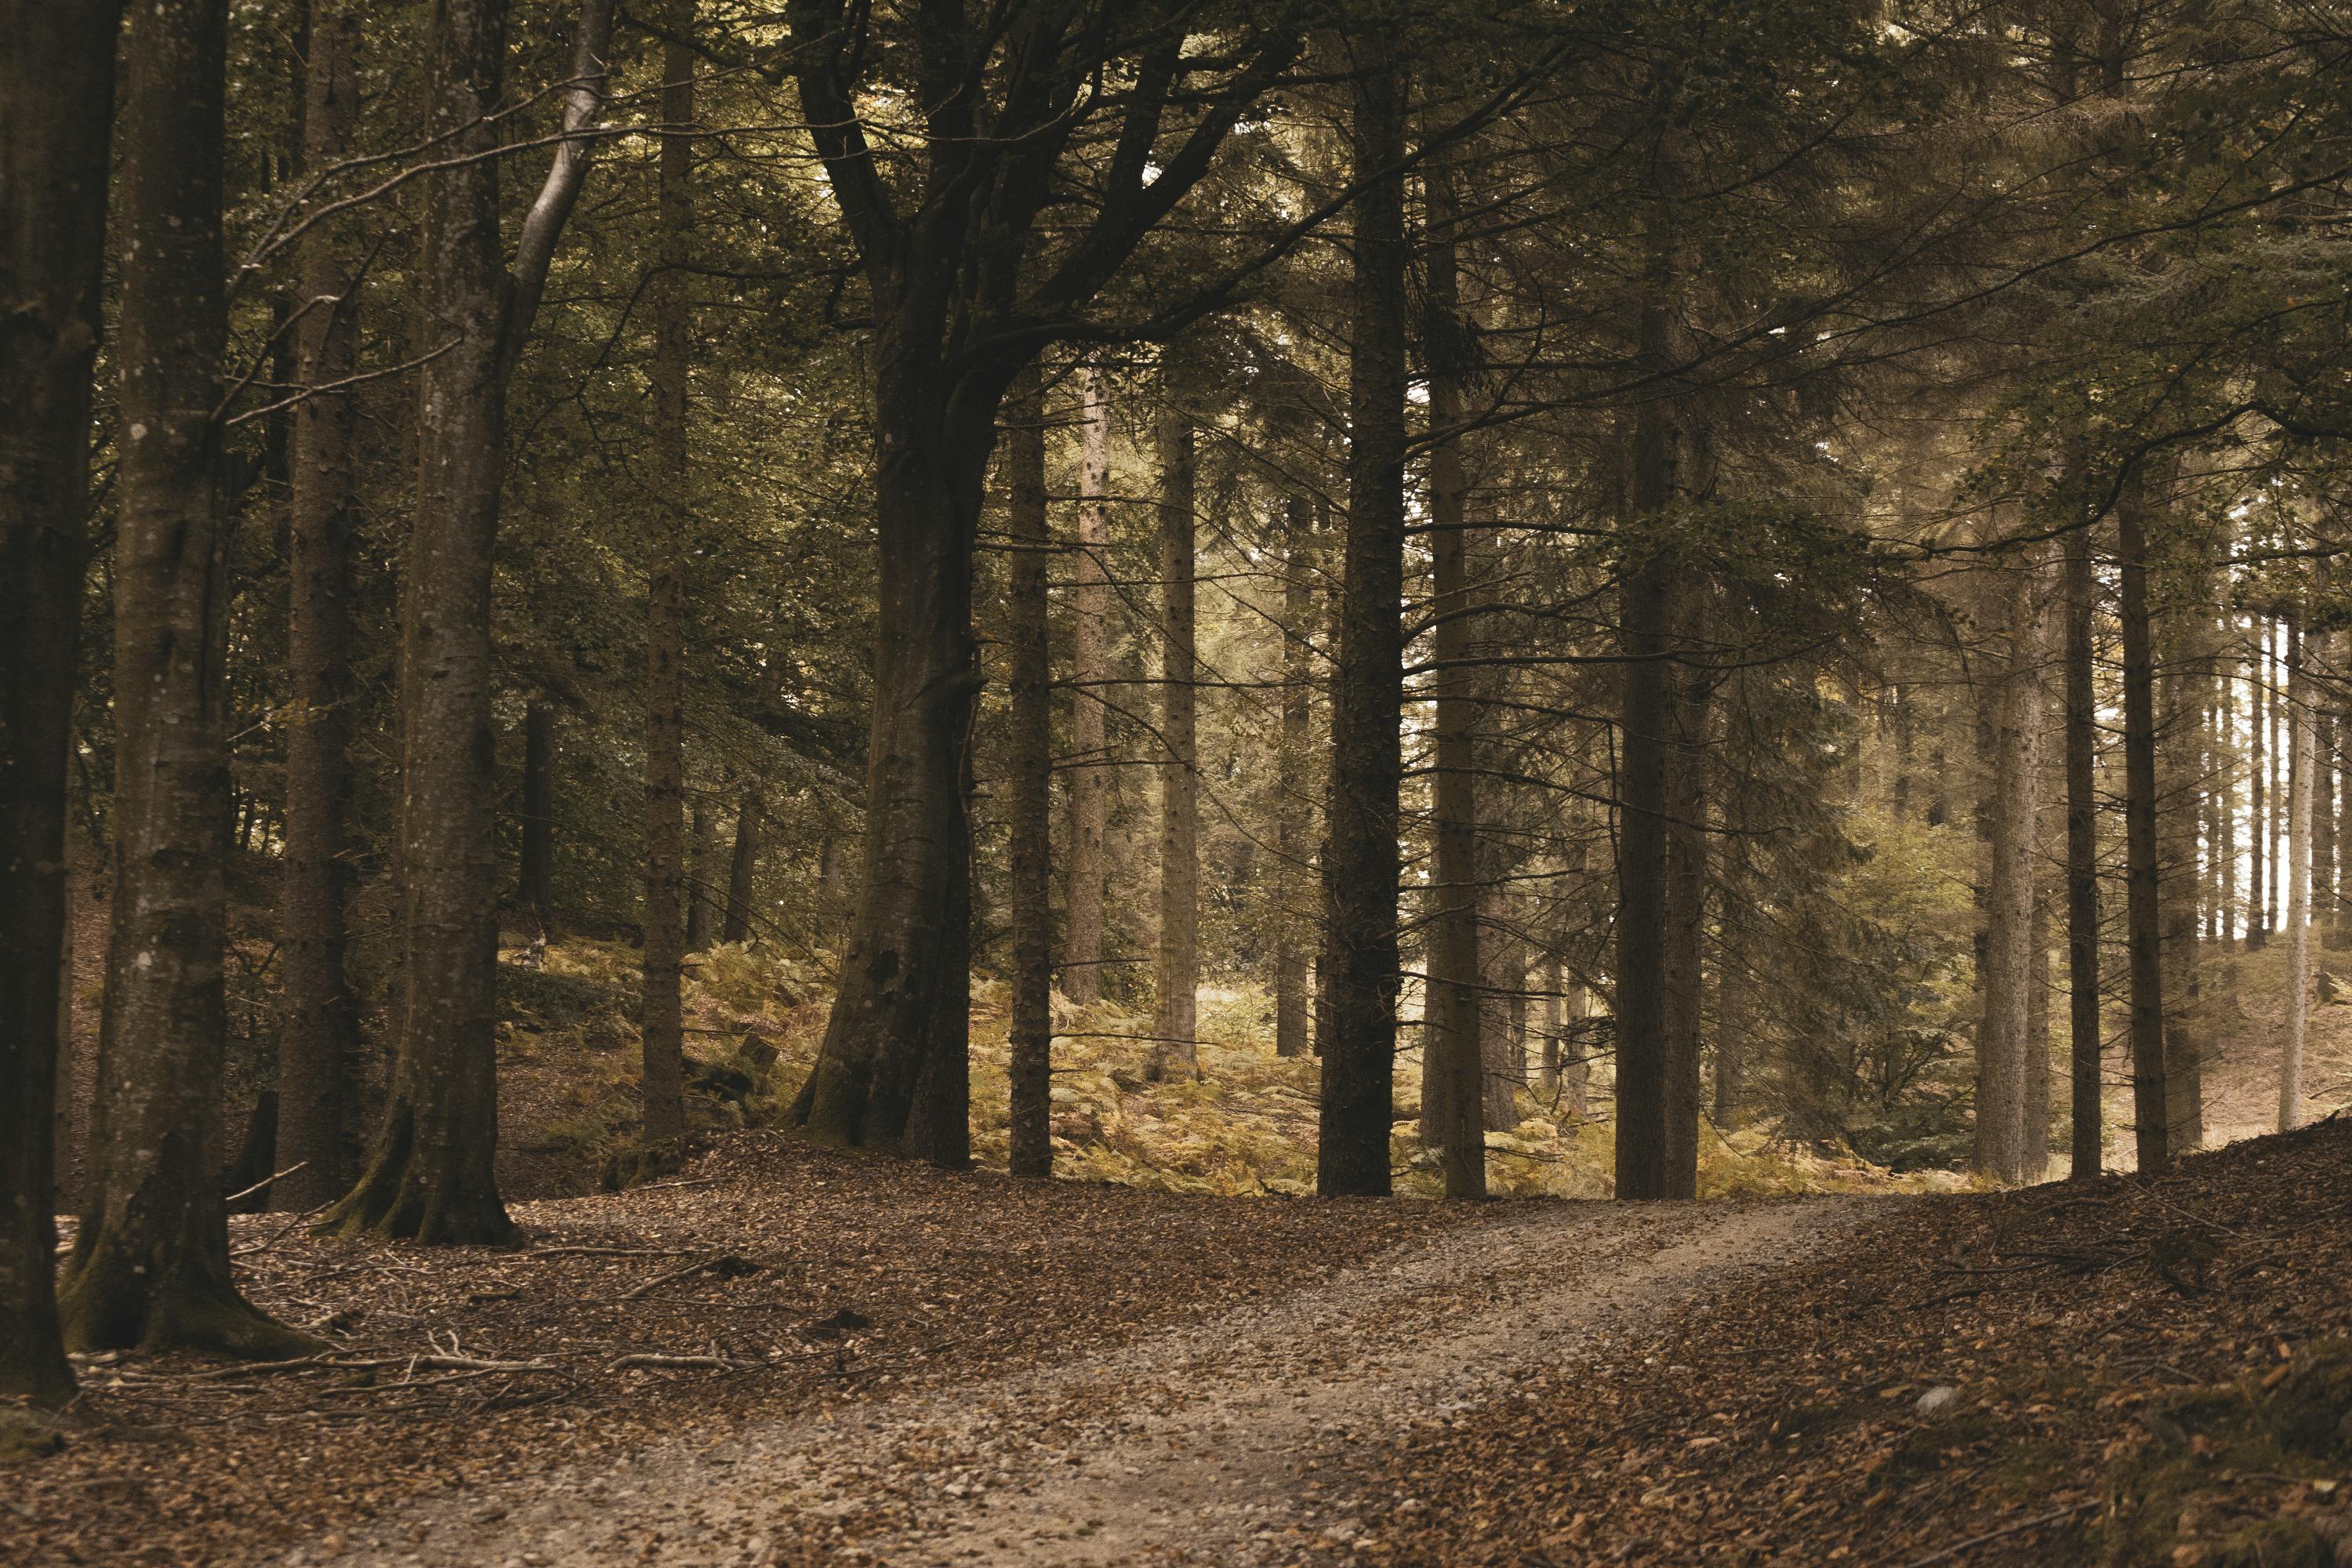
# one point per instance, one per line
(2052, 1516)
(248, 1191)
(709, 1362)
(283, 1231)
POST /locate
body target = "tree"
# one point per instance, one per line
(2008, 1145)
(431, 1176)
(1178, 967)
(1082, 944)
(962, 298)
(1453, 1072)
(750, 815)
(2142, 913)
(2086, 1045)
(661, 1024)
(149, 1265)
(2300, 727)
(1356, 1026)
(1029, 790)
(317, 1050)
(1293, 823)
(57, 87)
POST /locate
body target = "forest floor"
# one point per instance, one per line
(916, 1368)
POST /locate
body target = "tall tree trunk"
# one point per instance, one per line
(1293, 820)
(661, 1021)
(1029, 791)
(1502, 989)
(432, 1176)
(150, 1265)
(2178, 755)
(2084, 1037)
(702, 901)
(1356, 1032)
(321, 1041)
(1686, 891)
(56, 93)
(2143, 921)
(2315, 653)
(1082, 938)
(2258, 814)
(1735, 1005)
(1654, 610)
(2330, 905)
(1176, 1049)
(2276, 744)
(1454, 1112)
(535, 884)
(742, 866)
(2300, 774)
(904, 1000)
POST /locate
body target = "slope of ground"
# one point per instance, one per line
(2139, 1369)
(771, 1279)
(1196, 1444)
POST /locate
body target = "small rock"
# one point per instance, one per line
(1937, 1401)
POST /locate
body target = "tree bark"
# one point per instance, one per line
(1686, 891)
(1176, 1049)
(56, 93)
(1294, 828)
(150, 1265)
(2258, 815)
(1082, 939)
(432, 1177)
(2298, 893)
(1029, 791)
(701, 903)
(1356, 1031)
(661, 1021)
(2001, 1131)
(905, 986)
(1654, 611)
(535, 884)
(2178, 756)
(1735, 1005)
(750, 815)
(1454, 1075)
(319, 1044)
(2143, 920)
(2084, 1033)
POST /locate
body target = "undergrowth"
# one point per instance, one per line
(1244, 1125)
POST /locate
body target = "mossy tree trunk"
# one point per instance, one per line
(431, 1174)
(150, 1265)
(743, 866)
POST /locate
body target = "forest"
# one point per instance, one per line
(1154, 781)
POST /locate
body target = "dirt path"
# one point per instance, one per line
(1204, 1444)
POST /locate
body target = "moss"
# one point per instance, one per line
(27, 1434)
(2206, 1437)
(2311, 1409)
(2273, 1543)
(634, 1165)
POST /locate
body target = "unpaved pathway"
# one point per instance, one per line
(1209, 1444)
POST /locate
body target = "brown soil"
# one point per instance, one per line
(824, 1282)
